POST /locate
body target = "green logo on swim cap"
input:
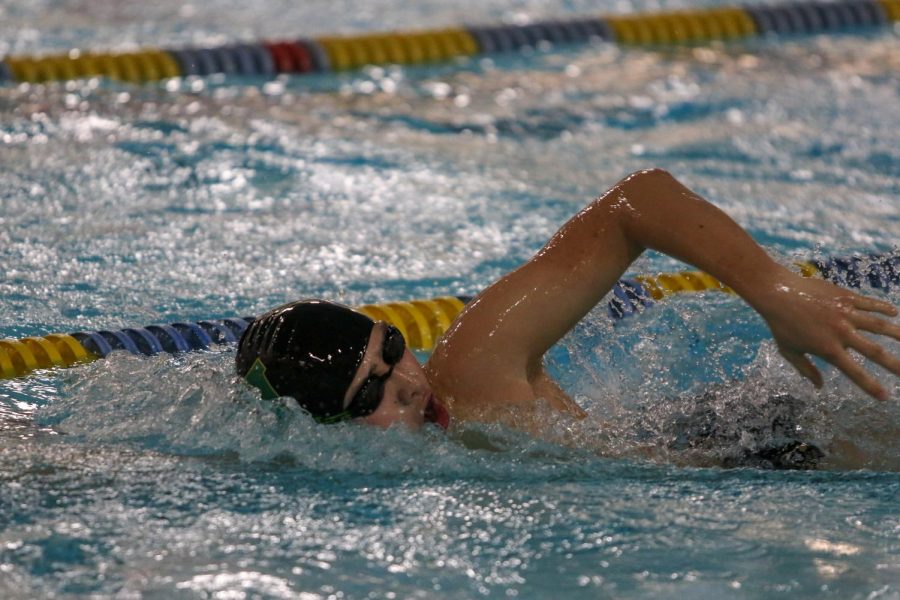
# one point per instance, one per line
(256, 377)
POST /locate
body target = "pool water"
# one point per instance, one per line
(165, 477)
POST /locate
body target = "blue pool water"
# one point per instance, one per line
(164, 477)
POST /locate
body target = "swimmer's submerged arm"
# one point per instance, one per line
(501, 337)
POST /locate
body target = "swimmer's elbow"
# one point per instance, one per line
(650, 192)
(650, 179)
(643, 198)
(638, 194)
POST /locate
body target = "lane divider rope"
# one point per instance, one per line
(341, 53)
(422, 322)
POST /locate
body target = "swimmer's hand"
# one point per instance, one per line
(812, 316)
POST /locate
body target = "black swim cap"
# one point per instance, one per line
(309, 350)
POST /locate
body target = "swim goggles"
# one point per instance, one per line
(370, 394)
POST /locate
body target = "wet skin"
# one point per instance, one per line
(408, 399)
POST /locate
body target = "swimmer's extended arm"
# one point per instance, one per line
(495, 349)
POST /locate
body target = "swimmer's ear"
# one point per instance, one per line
(803, 365)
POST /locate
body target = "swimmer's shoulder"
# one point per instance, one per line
(485, 388)
(474, 385)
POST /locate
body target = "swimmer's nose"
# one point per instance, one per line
(407, 388)
(408, 393)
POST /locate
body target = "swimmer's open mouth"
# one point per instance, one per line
(435, 412)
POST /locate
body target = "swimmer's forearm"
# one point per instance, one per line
(658, 212)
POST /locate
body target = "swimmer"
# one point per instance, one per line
(489, 366)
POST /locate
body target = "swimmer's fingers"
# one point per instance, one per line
(857, 374)
(873, 305)
(804, 366)
(875, 352)
(872, 324)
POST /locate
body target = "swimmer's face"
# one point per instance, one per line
(407, 397)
